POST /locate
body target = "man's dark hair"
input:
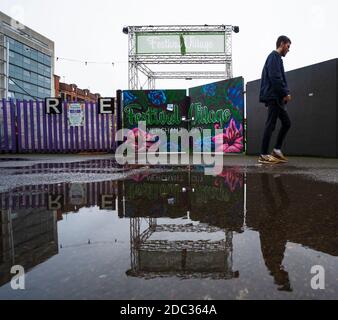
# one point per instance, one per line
(281, 39)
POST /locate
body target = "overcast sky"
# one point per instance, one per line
(88, 30)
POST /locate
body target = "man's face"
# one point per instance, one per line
(285, 48)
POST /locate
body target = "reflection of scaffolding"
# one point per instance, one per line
(182, 258)
(139, 63)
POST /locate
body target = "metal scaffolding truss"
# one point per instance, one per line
(139, 62)
(200, 250)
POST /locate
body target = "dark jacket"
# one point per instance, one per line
(273, 84)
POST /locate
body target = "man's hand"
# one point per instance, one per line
(287, 98)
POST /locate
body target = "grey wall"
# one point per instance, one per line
(313, 112)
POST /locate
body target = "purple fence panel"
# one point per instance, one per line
(87, 105)
(60, 118)
(112, 132)
(98, 137)
(108, 132)
(66, 132)
(25, 126)
(2, 139)
(55, 120)
(19, 125)
(71, 133)
(102, 120)
(50, 132)
(32, 125)
(82, 138)
(38, 124)
(44, 127)
(5, 115)
(92, 126)
(77, 139)
(13, 131)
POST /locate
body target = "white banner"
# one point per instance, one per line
(185, 43)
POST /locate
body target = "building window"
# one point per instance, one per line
(26, 51)
(11, 41)
(26, 86)
(26, 60)
(40, 57)
(47, 60)
(34, 54)
(26, 73)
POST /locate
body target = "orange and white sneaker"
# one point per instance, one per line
(268, 159)
(279, 155)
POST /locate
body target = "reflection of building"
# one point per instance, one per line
(70, 92)
(188, 249)
(26, 61)
(29, 215)
(28, 237)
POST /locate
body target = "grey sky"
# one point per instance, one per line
(90, 30)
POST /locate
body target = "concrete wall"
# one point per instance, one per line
(313, 112)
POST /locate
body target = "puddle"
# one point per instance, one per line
(171, 235)
(13, 159)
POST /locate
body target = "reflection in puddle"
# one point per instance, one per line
(231, 236)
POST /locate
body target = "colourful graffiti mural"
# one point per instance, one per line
(160, 109)
(219, 105)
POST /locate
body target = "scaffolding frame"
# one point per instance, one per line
(139, 63)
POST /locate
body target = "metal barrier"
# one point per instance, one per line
(25, 127)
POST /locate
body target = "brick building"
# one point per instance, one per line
(70, 92)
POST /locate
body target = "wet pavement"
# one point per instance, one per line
(87, 228)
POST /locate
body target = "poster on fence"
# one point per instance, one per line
(76, 114)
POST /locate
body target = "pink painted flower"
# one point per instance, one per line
(233, 178)
(232, 139)
(139, 139)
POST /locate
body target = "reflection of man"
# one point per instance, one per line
(272, 233)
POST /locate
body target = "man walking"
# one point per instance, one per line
(275, 94)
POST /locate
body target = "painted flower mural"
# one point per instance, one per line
(232, 139)
(203, 144)
(232, 177)
(209, 89)
(157, 97)
(128, 97)
(140, 140)
(235, 95)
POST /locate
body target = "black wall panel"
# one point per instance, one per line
(313, 112)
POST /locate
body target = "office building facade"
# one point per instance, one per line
(26, 62)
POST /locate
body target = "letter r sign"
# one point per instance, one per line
(53, 105)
